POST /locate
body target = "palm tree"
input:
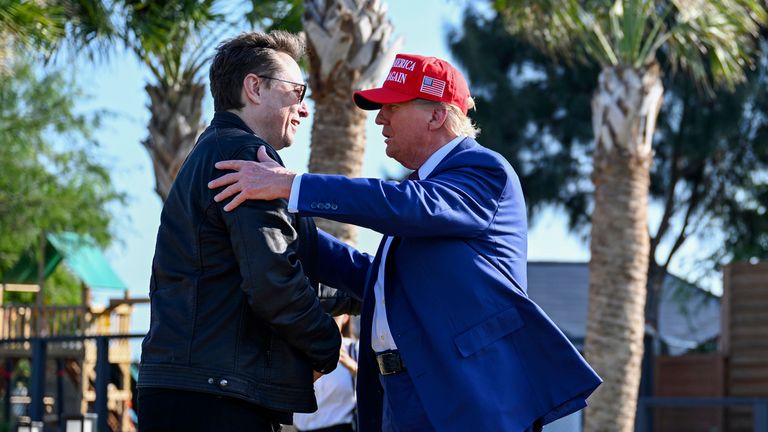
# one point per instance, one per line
(349, 49)
(710, 39)
(166, 37)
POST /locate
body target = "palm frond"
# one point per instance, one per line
(30, 23)
(165, 36)
(655, 39)
(713, 40)
(634, 23)
(554, 27)
(150, 26)
(605, 32)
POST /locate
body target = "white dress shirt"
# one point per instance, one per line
(381, 336)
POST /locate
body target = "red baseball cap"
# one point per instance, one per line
(417, 77)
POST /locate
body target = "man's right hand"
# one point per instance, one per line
(263, 180)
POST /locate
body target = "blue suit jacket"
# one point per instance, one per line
(481, 354)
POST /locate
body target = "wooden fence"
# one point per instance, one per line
(745, 337)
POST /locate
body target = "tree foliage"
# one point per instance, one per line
(709, 173)
(533, 111)
(710, 165)
(51, 181)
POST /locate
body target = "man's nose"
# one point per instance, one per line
(380, 117)
(303, 109)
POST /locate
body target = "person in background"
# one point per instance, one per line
(335, 392)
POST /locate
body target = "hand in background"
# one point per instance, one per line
(347, 361)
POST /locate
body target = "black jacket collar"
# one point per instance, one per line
(226, 119)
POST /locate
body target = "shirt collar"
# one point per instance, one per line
(427, 167)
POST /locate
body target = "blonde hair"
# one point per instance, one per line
(456, 121)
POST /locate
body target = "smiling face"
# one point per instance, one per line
(406, 129)
(279, 111)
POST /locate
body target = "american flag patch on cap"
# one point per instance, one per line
(432, 86)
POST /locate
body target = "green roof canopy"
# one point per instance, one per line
(81, 255)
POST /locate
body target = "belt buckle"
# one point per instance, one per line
(390, 362)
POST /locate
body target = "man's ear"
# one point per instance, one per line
(252, 89)
(439, 115)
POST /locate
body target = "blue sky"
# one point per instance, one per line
(118, 85)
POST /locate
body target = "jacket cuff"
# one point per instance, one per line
(328, 365)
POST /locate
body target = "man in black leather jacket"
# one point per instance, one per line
(236, 329)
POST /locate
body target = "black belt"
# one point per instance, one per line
(390, 362)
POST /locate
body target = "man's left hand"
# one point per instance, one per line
(263, 180)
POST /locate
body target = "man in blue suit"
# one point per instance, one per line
(449, 339)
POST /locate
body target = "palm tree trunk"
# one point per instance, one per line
(338, 146)
(624, 110)
(173, 128)
(349, 49)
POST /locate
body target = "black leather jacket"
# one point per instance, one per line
(233, 313)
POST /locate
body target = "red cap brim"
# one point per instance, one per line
(373, 99)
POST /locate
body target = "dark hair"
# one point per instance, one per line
(252, 52)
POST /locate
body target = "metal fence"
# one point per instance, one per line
(39, 346)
